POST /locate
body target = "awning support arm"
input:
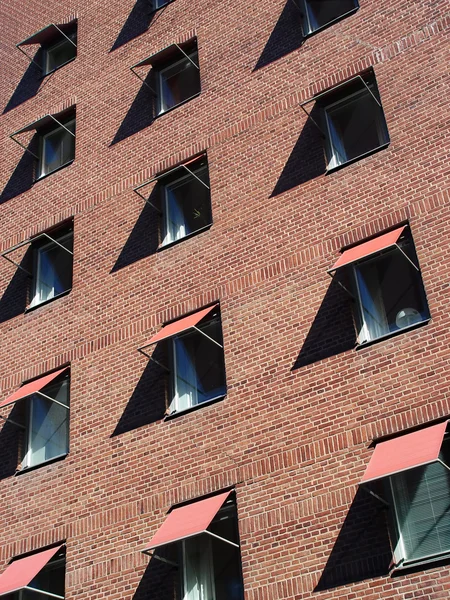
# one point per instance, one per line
(207, 336)
(341, 284)
(22, 146)
(16, 264)
(188, 57)
(372, 493)
(141, 350)
(61, 125)
(194, 175)
(30, 58)
(162, 559)
(407, 258)
(53, 400)
(66, 36)
(136, 190)
(222, 539)
(52, 240)
(132, 69)
(302, 106)
(48, 594)
(8, 420)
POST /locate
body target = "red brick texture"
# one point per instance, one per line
(293, 433)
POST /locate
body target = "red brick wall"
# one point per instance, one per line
(292, 436)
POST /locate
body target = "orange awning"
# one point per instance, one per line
(368, 248)
(22, 571)
(179, 326)
(405, 452)
(187, 521)
(28, 389)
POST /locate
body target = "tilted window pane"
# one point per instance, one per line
(187, 206)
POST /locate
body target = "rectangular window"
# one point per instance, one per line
(186, 203)
(178, 81)
(159, 3)
(317, 14)
(47, 428)
(57, 148)
(52, 268)
(197, 365)
(354, 122)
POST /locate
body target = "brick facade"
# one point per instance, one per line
(293, 434)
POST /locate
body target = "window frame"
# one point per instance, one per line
(54, 241)
(27, 462)
(306, 17)
(48, 49)
(189, 58)
(43, 136)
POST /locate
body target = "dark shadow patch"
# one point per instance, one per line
(141, 113)
(286, 36)
(14, 299)
(160, 580)
(333, 329)
(362, 549)
(10, 441)
(29, 84)
(307, 159)
(137, 23)
(144, 238)
(148, 401)
(22, 178)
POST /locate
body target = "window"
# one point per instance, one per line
(52, 266)
(384, 279)
(57, 148)
(60, 53)
(208, 557)
(317, 14)
(37, 575)
(46, 417)
(197, 370)
(178, 82)
(159, 3)
(58, 46)
(411, 472)
(186, 203)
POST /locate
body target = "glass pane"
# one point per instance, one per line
(179, 82)
(59, 54)
(48, 425)
(391, 295)
(58, 149)
(198, 568)
(356, 126)
(50, 579)
(188, 206)
(227, 558)
(199, 373)
(422, 502)
(53, 270)
(321, 12)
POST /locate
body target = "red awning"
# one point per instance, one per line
(187, 521)
(367, 248)
(31, 388)
(179, 326)
(405, 452)
(22, 571)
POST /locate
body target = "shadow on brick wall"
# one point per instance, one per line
(29, 85)
(160, 580)
(307, 159)
(362, 549)
(13, 301)
(285, 38)
(137, 23)
(147, 403)
(143, 239)
(333, 329)
(141, 113)
(10, 436)
(22, 178)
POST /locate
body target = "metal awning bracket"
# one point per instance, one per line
(144, 198)
(61, 125)
(196, 177)
(221, 538)
(42, 593)
(407, 257)
(53, 241)
(66, 36)
(332, 274)
(207, 336)
(22, 146)
(30, 58)
(150, 357)
(39, 393)
(144, 81)
(372, 493)
(188, 57)
(8, 420)
(161, 558)
(302, 106)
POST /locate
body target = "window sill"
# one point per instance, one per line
(45, 302)
(185, 411)
(357, 158)
(186, 237)
(438, 560)
(45, 463)
(54, 171)
(392, 334)
(168, 110)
